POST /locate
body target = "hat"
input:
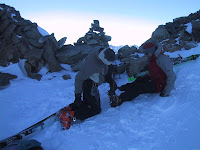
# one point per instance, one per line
(149, 48)
(107, 56)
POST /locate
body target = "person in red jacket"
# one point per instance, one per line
(160, 80)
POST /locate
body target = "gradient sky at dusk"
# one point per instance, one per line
(128, 22)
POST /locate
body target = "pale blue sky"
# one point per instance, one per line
(127, 21)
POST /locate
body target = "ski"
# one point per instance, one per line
(36, 127)
(180, 60)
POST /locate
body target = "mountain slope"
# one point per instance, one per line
(148, 122)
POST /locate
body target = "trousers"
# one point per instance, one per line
(90, 105)
(134, 89)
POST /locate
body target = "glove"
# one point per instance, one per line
(78, 100)
(163, 94)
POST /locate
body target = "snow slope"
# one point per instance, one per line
(149, 122)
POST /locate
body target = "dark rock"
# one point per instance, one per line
(160, 33)
(196, 30)
(70, 54)
(50, 58)
(5, 79)
(4, 24)
(66, 77)
(189, 45)
(34, 53)
(125, 52)
(61, 42)
(32, 33)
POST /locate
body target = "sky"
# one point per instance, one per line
(128, 22)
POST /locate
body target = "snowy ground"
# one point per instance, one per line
(148, 122)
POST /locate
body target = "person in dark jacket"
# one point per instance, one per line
(160, 80)
(93, 72)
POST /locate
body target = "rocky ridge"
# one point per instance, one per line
(20, 39)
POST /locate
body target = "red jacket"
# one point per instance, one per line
(157, 75)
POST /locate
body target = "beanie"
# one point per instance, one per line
(107, 56)
(149, 48)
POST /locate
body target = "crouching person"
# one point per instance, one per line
(161, 76)
(93, 72)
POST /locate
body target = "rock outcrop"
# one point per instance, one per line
(183, 32)
(21, 39)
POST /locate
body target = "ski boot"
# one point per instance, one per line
(114, 99)
(66, 117)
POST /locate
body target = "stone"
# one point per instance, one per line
(34, 53)
(2, 12)
(66, 77)
(61, 42)
(5, 79)
(125, 52)
(34, 43)
(70, 54)
(196, 31)
(15, 39)
(10, 29)
(4, 24)
(137, 65)
(50, 58)
(32, 33)
(189, 45)
(160, 33)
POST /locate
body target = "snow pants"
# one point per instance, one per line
(139, 86)
(91, 101)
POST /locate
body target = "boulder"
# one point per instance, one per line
(137, 66)
(126, 52)
(70, 54)
(66, 77)
(160, 33)
(50, 58)
(5, 79)
(196, 30)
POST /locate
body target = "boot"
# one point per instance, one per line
(115, 100)
(66, 118)
(68, 108)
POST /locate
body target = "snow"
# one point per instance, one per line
(148, 122)
(189, 28)
(177, 41)
(42, 31)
